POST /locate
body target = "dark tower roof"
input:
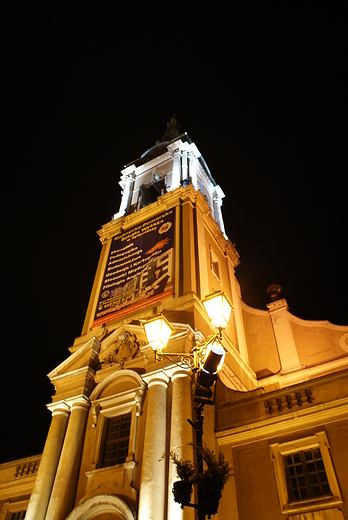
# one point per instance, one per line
(173, 130)
(171, 134)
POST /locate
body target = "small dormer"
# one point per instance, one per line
(172, 162)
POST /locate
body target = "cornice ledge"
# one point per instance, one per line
(306, 374)
(232, 253)
(110, 229)
(190, 194)
(163, 203)
(87, 371)
(14, 488)
(291, 422)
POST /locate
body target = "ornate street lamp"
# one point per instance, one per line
(205, 360)
(209, 356)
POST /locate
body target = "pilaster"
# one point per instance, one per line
(192, 169)
(285, 341)
(188, 236)
(184, 167)
(217, 202)
(176, 173)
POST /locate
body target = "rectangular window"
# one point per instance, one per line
(116, 440)
(14, 510)
(305, 475)
(214, 263)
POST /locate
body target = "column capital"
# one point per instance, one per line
(156, 378)
(60, 408)
(179, 372)
(67, 405)
(175, 150)
(82, 402)
(278, 305)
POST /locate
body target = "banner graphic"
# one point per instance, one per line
(139, 268)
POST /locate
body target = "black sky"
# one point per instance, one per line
(260, 87)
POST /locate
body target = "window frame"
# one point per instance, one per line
(104, 415)
(10, 508)
(214, 263)
(104, 440)
(305, 469)
(280, 450)
(118, 393)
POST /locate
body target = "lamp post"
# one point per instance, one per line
(205, 360)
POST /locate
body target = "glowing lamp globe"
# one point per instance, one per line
(158, 331)
(218, 307)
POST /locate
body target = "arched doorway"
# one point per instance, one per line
(106, 507)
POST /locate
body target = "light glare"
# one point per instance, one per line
(158, 331)
(218, 308)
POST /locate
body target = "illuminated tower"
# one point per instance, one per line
(117, 409)
(163, 251)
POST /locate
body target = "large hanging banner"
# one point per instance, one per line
(139, 269)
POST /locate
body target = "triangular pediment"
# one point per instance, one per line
(85, 357)
(115, 347)
(119, 348)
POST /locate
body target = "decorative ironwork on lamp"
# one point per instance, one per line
(206, 359)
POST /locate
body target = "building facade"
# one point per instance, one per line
(281, 403)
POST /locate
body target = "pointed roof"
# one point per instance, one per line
(173, 130)
(171, 134)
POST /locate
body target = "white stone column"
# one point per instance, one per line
(176, 174)
(217, 202)
(153, 475)
(181, 434)
(127, 194)
(184, 166)
(283, 334)
(64, 488)
(192, 170)
(48, 466)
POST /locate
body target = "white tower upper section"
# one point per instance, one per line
(173, 162)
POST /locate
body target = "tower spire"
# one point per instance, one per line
(173, 130)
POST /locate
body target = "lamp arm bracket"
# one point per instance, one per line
(210, 339)
(181, 359)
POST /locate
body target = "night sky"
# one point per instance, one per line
(260, 87)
